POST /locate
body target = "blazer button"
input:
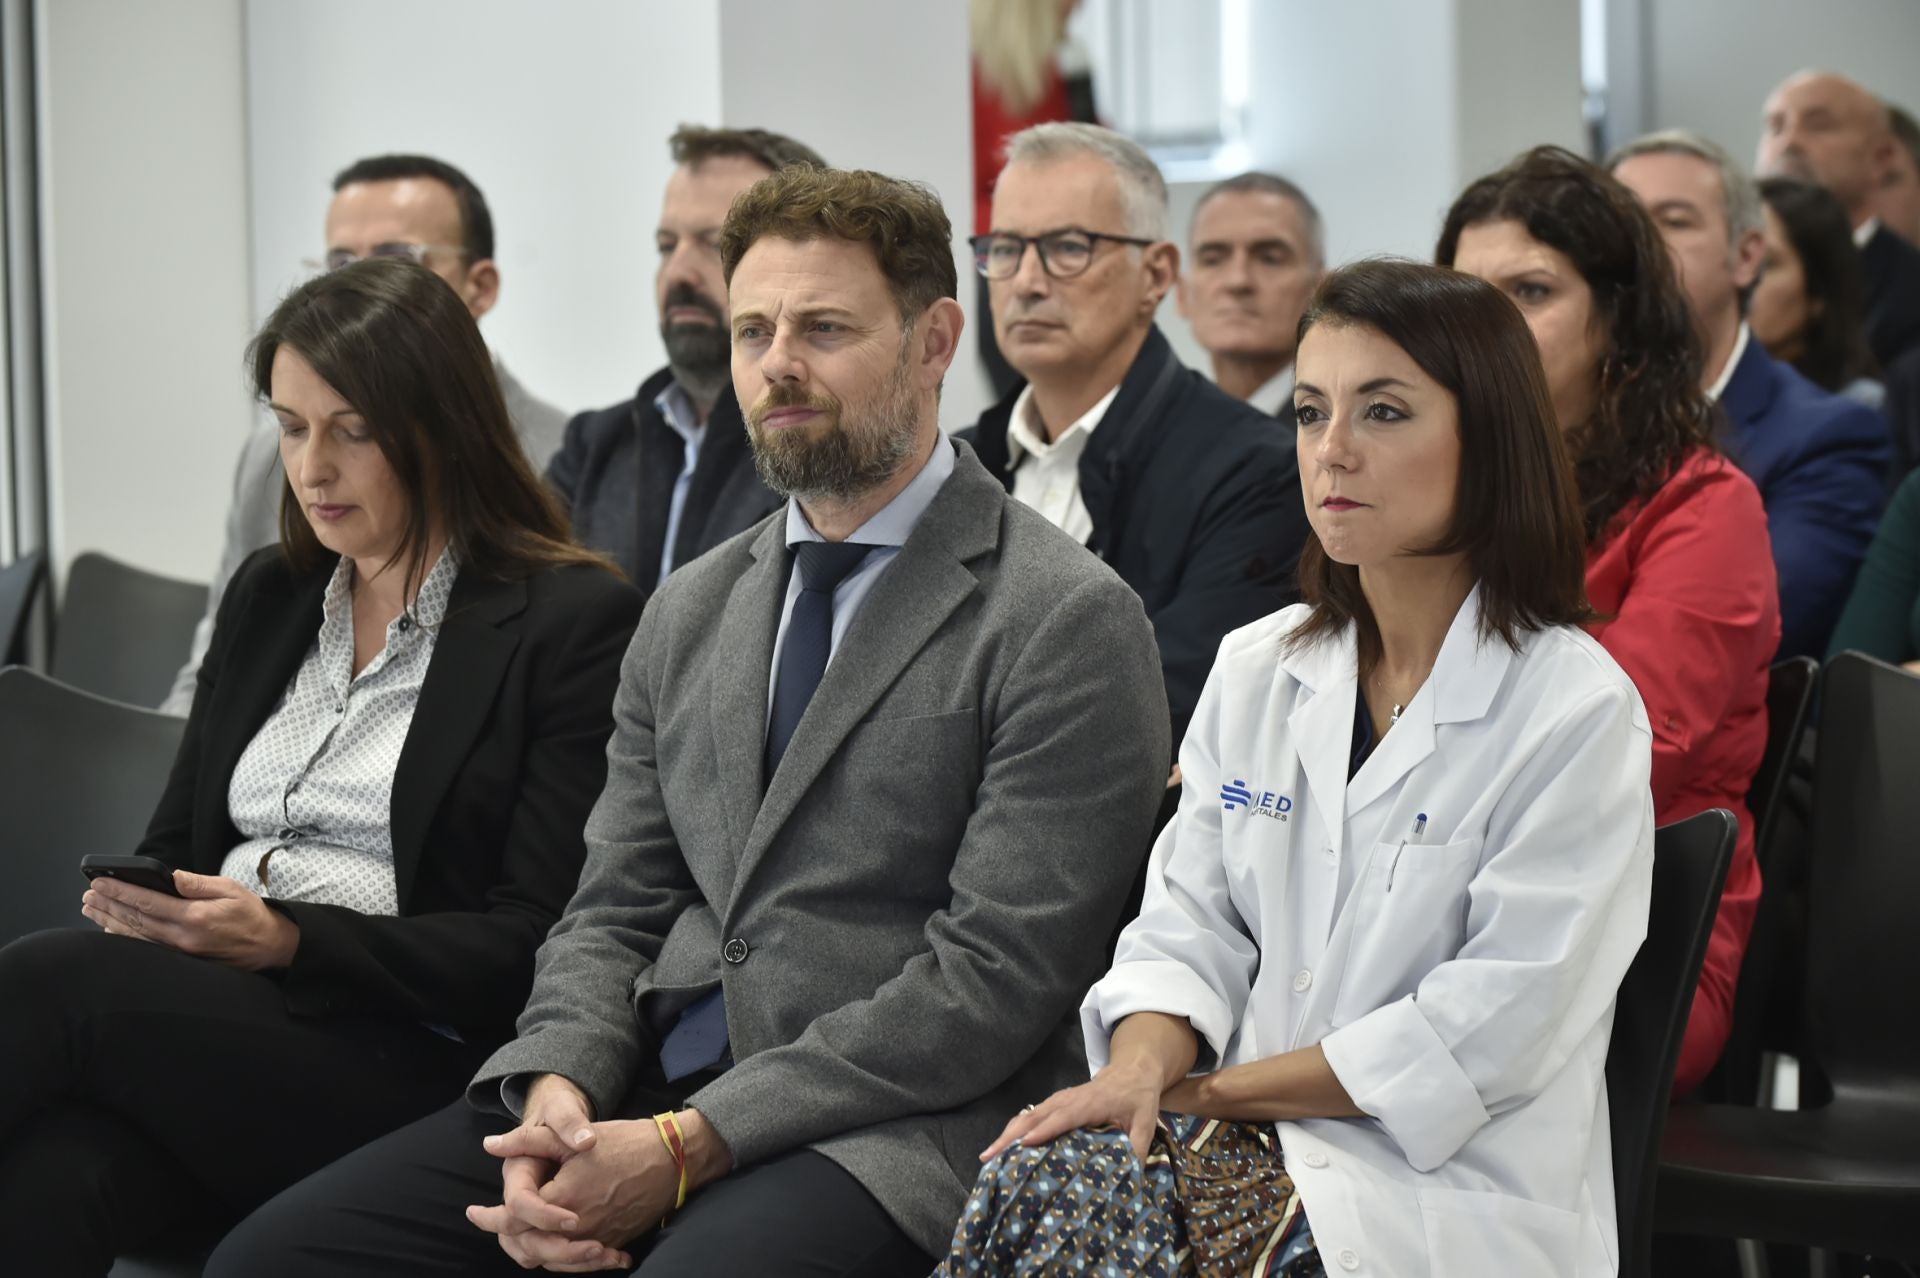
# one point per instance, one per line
(734, 951)
(1302, 980)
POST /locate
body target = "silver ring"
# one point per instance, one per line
(1029, 1109)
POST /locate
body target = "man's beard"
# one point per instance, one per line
(700, 355)
(849, 455)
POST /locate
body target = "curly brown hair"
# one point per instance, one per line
(1650, 412)
(902, 222)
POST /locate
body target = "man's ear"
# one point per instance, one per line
(938, 334)
(1161, 262)
(482, 287)
(1749, 251)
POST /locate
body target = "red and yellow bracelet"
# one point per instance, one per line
(676, 1145)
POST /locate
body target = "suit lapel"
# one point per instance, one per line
(912, 599)
(470, 656)
(742, 667)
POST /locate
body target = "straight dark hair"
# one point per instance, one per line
(476, 221)
(395, 341)
(1651, 411)
(1821, 233)
(1516, 512)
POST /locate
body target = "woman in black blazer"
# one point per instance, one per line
(416, 687)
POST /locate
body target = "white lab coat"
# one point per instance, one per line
(1498, 847)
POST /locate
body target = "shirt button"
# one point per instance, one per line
(734, 951)
(289, 834)
(1302, 979)
(406, 624)
(340, 708)
(1349, 1259)
(1315, 1159)
(1330, 855)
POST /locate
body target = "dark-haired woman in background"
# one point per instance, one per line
(1810, 306)
(1409, 870)
(1678, 562)
(374, 817)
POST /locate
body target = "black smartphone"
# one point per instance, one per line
(141, 871)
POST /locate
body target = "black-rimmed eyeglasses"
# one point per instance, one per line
(1063, 254)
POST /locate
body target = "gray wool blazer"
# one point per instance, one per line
(905, 923)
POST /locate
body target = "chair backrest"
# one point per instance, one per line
(78, 774)
(1790, 686)
(123, 632)
(1864, 883)
(1690, 861)
(19, 583)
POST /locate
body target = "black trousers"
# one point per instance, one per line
(397, 1207)
(143, 1092)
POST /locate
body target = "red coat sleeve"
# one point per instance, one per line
(1703, 598)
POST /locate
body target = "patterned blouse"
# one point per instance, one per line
(312, 793)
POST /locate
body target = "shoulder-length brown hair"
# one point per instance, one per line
(1650, 411)
(396, 342)
(1516, 515)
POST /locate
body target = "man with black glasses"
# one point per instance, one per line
(1191, 495)
(412, 206)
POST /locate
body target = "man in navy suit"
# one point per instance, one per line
(1819, 459)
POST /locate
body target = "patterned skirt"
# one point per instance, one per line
(1213, 1201)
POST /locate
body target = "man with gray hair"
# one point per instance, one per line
(1258, 252)
(1191, 495)
(1819, 459)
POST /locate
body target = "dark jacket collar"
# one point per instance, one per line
(1749, 392)
(1128, 443)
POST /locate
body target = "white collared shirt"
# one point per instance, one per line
(1275, 393)
(312, 794)
(1865, 231)
(1046, 476)
(1719, 387)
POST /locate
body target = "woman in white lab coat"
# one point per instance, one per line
(1382, 938)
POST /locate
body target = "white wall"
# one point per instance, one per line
(1383, 110)
(884, 87)
(144, 207)
(560, 114)
(1713, 62)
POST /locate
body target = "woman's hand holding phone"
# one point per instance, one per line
(214, 918)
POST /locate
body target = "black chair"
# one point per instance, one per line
(1789, 698)
(1773, 945)
(78, 774)
(1690, 861)
(1843, 1173)
(19, 584)
(123, 632)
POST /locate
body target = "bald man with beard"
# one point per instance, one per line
(1824, 128)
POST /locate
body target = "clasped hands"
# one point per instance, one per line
(576, 1192)
(212, 918)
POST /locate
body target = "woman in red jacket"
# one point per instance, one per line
(1678, 561)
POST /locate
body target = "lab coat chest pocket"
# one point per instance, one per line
(1409, 916)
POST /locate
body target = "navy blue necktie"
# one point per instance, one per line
(822, 566)
(698, 1039)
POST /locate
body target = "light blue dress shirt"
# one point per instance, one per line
(676, 406)
(887, 531)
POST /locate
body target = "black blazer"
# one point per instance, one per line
(1195, 501)
(1892, 270)
(616, 470)
(505, 756)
